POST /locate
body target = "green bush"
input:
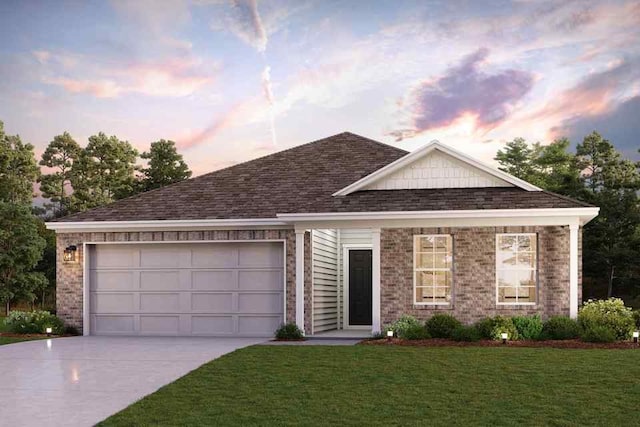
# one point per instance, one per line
(442, 325)
(466, 333)
(560, 328)
(33, 322)
(415, 332)
(610, 313)
(289, 331)
(504, 324)
(485, 327)
(636, 318)
(599, 333)
(529, 327)
(402, 325)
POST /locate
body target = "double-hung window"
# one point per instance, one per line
(516, 268)
(432, 273)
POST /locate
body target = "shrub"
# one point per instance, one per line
(466, 333)
(442, 325)
(33, 322)
(289, 331)
(599, 333)
(71, 330)
(485, 327)
(636, 318)
(415, 332)
(610, 313)
(504, 324)
(402, 325)
(560, 328)
(529, 327)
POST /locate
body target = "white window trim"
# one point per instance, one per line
(498, 235)
(346, 248)
(416, 237)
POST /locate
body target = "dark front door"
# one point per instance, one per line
(360, 287)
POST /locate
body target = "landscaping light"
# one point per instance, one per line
(636, 334)
(505, 337)
(69, 254)
(389, 335)
(49, 330)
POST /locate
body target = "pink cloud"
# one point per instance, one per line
(97, 88)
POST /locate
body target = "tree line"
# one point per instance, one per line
(73, 179)
(598, 174)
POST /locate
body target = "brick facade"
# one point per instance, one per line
(474, 280)
(69, 276)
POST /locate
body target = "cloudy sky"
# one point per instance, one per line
(233, 80)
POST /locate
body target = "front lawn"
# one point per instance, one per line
(11, 340)
(370, 385)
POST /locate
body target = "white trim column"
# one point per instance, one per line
(375, 280)
(573, 270)
(300, 279)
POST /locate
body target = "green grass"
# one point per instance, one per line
(370, 385)
(11, 340)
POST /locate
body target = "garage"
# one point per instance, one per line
(186, 289)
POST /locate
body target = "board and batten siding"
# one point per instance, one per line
(437, 170)
(325, 258)
(348, 236)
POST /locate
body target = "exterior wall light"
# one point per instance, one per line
(636, 334)
(389, 335)
(69, 254)
(505, 337)
(49, 331)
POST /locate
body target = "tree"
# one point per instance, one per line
(165, 166)
(18, 169)
(20, 250)
(103, 172)
(60, 155)
(612, 183)
(517, 159)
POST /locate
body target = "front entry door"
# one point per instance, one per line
(360, 311)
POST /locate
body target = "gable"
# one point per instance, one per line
(435, 166)
(436, 170)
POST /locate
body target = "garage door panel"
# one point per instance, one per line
(213, 280)
(155, 303)
(113, 324)
(112, 302)
(259, 256)
(212, 303)
(165, 257)
(111, 280)
(212, 325)
(161, 325)
(260, 280)
(259, 303)
(112, 256)
(215, 289)
(264, 325)
(214, 256)
(160, 280)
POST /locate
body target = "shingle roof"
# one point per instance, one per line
(302, 180)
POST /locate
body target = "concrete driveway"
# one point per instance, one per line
(80, 381)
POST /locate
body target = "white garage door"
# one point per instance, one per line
(213, 289)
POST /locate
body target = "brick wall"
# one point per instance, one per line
(474, 283)
(69, 276)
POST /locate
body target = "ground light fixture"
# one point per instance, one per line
(69, 254)
(389, 335)
(505, 337)
(636, 334)
(49, 331)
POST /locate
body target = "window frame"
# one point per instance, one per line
(535, 269)
(415, 270)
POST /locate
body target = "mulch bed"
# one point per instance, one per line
(12, 335)
(437, 342)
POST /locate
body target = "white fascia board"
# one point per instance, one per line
(433, 145)
(585, 213)
(173, 225)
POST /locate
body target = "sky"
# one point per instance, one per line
(234, 80)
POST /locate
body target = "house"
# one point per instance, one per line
(341, 233)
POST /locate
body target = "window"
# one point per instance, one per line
(432, 261)
(516, 268)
